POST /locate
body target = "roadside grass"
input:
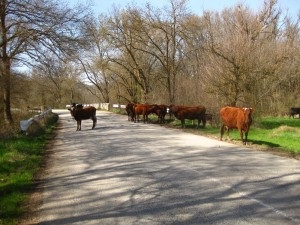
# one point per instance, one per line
(20, 159)
(280, 134)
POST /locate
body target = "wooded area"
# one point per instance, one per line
(149, 55)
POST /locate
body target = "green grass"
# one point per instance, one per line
(20, 158)
(276, 133)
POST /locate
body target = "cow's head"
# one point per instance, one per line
(248, 115)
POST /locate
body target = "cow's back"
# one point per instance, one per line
(190, 112)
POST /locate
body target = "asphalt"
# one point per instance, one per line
(133, 173)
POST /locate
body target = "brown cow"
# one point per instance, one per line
(130, 111)
(189, 112)
(236, 118)
(80, 113)
(145, 110)
(161, 111)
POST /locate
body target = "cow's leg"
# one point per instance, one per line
(242, 136)
(182, 123)
(136, 117)
(159, 118)
(198, 123)
(246, 137)
(163, 118)
(204, 121)
(78, 125)
(227, 131)
(222, 131)
(94, 121)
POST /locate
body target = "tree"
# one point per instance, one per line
(163, 38)
(132, 63)
(238, 46)
(94, 61)
(55, 82)
(28, 29)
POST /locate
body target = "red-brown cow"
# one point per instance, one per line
(130, 111)
(189, 112)
(80, 113)
(143, 109)
(236, 118)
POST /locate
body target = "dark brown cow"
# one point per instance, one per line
(236, 118)
(294, 111)
(210, 117)
(130, 111)
(161, 111)
(145, 110)
(83, 113)
(189, 112)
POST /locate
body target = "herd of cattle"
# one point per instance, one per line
(231, 117)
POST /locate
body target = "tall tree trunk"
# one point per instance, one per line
(5, 65)
(1, 96)
(7, 90)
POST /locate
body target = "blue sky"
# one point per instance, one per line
(196, 6)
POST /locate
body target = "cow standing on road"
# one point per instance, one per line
(236, 118)
(83, 113)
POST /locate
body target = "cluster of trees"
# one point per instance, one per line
(156, 55)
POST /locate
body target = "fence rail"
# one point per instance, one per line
(105, 106)
(25, 124)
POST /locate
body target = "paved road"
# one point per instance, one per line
(127, 173)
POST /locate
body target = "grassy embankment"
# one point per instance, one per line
(279, 134)
(20, 158)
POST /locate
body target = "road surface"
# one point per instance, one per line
(134, 173)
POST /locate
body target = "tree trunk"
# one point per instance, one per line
(1, 95)
(7, 89)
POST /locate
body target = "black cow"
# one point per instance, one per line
(294, 111)
(83, 113)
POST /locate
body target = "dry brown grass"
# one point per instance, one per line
(11, 130)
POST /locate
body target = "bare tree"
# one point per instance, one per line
(56, 82)
(28, 28)
(124, 30)
(163, 40)
(236, 39)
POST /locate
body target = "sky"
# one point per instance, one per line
(195, 6)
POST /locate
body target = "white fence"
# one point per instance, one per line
(119, 106)
(105, 106)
